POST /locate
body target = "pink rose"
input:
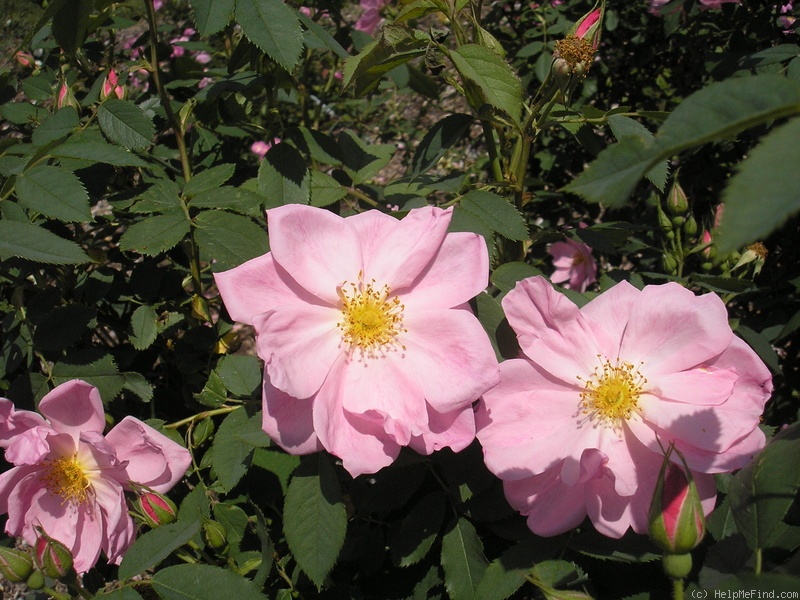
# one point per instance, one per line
(575, 266)
(364, 329)
(70, 480)
(577, 424)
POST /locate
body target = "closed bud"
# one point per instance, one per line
(215, 535)
(156, 509)
(24, 59)
(677, 521)
(669, 263)
(677, 202)
(590, 25)
(15, 565)
(52, 557)
(690, 226)
(35, 581)
(111, 87)
(663, 220)
(678, 221)
(65, 97)
(710, 252)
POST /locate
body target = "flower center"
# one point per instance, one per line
(66, 477)
(579, 258)
(371, 319)
(577, 52)
(612, 393)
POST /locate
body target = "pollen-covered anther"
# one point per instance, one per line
(577, 52)
(66, 478)
(371, 318)
(611, 394)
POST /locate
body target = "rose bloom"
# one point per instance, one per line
(575, 266)
(69, 480)
(577, 424)
(365, 333)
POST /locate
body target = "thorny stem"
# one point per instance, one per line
(677, 589)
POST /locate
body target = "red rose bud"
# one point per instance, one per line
(53, 558)
(15, 565)
(589, 25)
(677, 521)
(156, 509)
(577, 49)
(24, 60)
(111, 87)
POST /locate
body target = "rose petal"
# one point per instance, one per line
(454, 430)
(288, 421)
(73, 407)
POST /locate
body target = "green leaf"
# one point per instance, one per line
(229, 239)
(144, 327)
(319, 146)
(325, 190)
(765, 191)
(279, 463)
(57, 125)
(70, 23)
(361, 160)
(230, 456)
(439, 138)
(210, 16)
(762, 492)
(240, 374)
(153, 546)
(273, 27)
(138, 385)
(395, 46)
(125, 124)
(234, 520)
(37, 244)
(506, 574)
(209, 179)
(283, 177)
(155, 234)
(240, 200)
(203, 582)
(99, 152)
(22, 113)
(761, 345)
(463, 560)
(314, 517)
(101, 373)
(54, 193)
(494, 77)
(252, 433)
(506, 276)
(214, 393)
(125, 593)
(38, 88)
(415, 534)
(62, 327)
(621, 127)
(325, 38)
(498, 214)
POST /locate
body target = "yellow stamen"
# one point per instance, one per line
(372, 319)
(576, 52)
(67, 478)
(611, 395)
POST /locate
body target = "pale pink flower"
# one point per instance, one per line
(371, 16)
(717, 4)
(260, 147)
(69, 480)
(364, 328)
(578, 424)
(575, 266)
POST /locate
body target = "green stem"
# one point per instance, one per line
(200, 416)
(54, 594)
(759, 561)
(494, 155)
(358, 194)
(677, 589)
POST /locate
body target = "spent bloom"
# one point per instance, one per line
(68, 479)
(364, 328)
(577, 423)
(574, 264)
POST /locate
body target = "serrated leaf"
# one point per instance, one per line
(622, 126)
(416, 533)
(62, 327)
(234, 520)
(761, 493)
(230, 456)
(764, 192)
(70, 23)
(252, 433)
(319, 146)
(144, 327)
(506, 574)
(210, 16)
(314, 517)
(214, 393)
(138, 385)
(463, 560)
(54, 193)
(439, 138)
(203, 582)
(37, 244)
(279, 463)
(155, 234)
(325, 190)
(99, 152)
(396, 46)
(283, 177)
(231, 198)
(57, 125)
(498, 214)
(361, 160)
(153, 546)
(273, 27)
(22, 113)
(101, 373)
(229, 239)
(209, 179)
(506, 276)
(497, 81)
(240, 374)
(325, 38)
(125, 124)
